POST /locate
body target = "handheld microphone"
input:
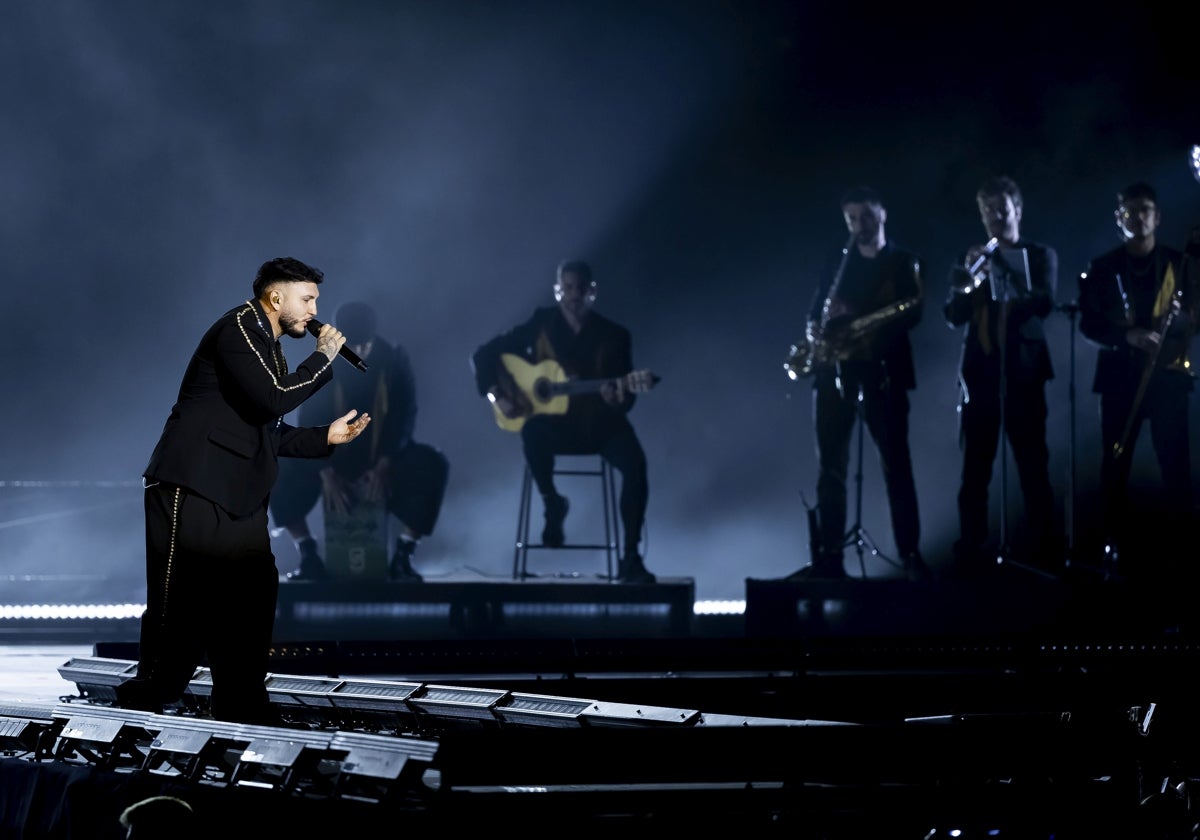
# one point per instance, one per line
(314, 328)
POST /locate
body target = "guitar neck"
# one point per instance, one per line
(581, 386)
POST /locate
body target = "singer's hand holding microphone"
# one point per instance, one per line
(332, 343)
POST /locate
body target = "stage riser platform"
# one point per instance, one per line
(1012, 604)
(373, 610)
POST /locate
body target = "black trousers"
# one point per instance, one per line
(1165, 408)
(885, 412)
(211, 585)
(544, 436)
(416, 487)
(1025, 427)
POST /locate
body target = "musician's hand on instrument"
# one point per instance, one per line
(640, 381)
(613, 391)
(973, 255)
(374, 480)
(1142, 338)
(837, 309)
(334, 492)
(970, 285)
(503, 404)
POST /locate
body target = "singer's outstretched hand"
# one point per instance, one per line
(330, 341)
(342, 430)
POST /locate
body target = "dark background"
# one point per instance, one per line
(438, 160)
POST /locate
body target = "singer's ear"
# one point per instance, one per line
(275, 299)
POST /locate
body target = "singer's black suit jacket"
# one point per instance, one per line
(226, 430)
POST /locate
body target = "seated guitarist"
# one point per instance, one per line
(586, 346)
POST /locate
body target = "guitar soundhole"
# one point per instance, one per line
(542, 390)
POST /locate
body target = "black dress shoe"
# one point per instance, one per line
(556, 513)
(631, 570)
(915, 568)
(400, 570)
(312, 567)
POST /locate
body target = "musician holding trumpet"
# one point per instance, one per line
(857, 350)
(1137, 303)
(1001, 292)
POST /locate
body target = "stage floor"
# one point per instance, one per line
(29, 672)
(831, 710)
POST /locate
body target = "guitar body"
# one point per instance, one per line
(545, 389)
(536, 391)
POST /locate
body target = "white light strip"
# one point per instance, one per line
(68, 611)
(736, 607)
(118, 611)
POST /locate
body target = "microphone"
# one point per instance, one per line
(314, 327)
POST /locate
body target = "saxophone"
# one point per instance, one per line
(827, 346)
(807, 353)
(837, 346)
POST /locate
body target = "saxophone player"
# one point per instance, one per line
(1137, 304)
(864, 373)
(1004, 366)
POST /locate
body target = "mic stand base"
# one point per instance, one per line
(858, 538)
(1037, 570)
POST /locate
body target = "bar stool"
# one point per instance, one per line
(608, 496)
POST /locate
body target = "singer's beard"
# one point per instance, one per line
(291, 326)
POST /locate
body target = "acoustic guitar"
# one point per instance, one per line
(544, 388)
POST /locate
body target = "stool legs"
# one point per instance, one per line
(611, 514)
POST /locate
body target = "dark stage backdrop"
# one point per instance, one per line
(439, 159)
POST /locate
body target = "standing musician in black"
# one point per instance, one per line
(1138, 304)
(869, 298)
(211, 579)
(1003, 374)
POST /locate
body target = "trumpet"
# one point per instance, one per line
(976, 268)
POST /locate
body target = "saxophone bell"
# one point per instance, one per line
(799, 362)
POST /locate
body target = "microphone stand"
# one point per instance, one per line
(857, 536)
(1002, 551)
(1071, 310)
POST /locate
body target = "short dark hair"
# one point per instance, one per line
(862, 195)
(1138, 189)
(579, 267)
(284, 270)
(1000, 185)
